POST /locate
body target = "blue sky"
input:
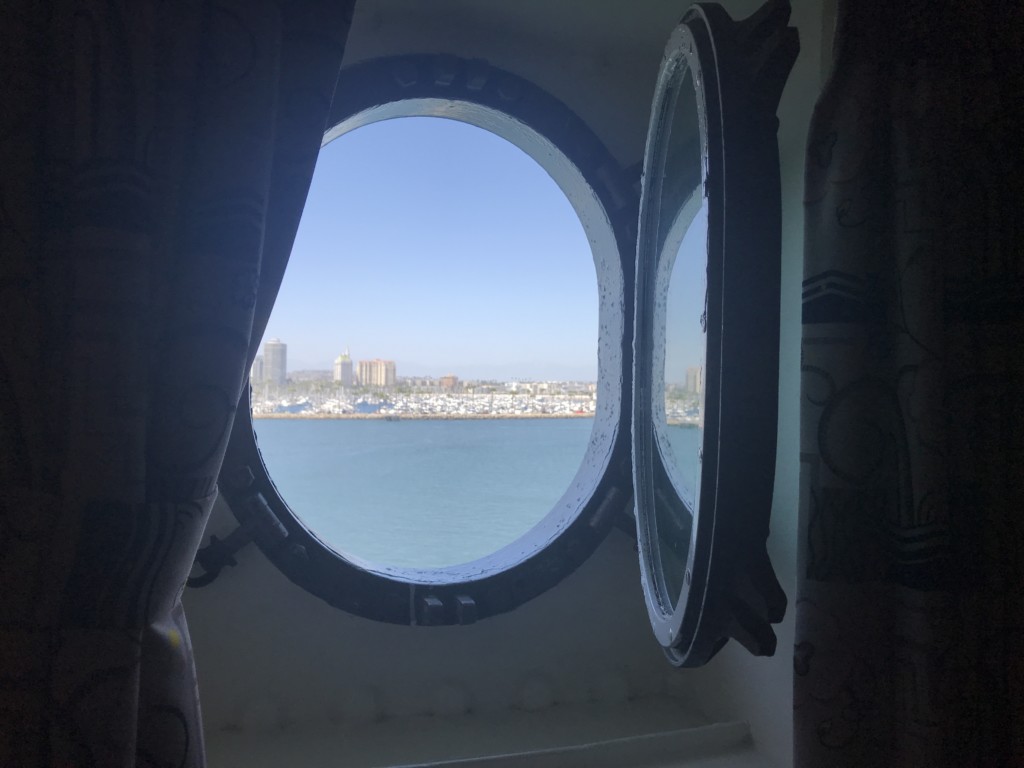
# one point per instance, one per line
(443, 247)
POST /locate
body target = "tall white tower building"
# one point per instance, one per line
(275, 362)
(343, 370)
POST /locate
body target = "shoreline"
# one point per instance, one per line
(420, 416)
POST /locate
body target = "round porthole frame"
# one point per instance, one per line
(599, 496)
(729, 589)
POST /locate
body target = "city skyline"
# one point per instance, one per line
(374, 372)
(349, 372)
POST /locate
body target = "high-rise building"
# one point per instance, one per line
(450, 381)
(376, 373)
(695, 380)
(343, 370)
(275, 362)
(256, 372)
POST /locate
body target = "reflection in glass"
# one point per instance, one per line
(680, 307)
(685, 345)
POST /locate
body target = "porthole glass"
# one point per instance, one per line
(680, 433)
(440, 314)
(680, 323)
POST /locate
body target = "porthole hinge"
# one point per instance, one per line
(258, 521)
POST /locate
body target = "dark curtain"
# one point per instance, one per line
(910, 611)
(154, 160)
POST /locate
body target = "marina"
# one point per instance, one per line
(430, 405)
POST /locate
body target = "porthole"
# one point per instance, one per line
(482, 297)
(598, 494)
(698, 258)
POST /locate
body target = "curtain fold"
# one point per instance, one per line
(910, 609)
(156, 159)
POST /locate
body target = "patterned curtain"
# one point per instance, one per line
(155, 158)
(910, 612)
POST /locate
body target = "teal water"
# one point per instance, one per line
(422, 493)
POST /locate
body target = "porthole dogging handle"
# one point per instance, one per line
(258, 520)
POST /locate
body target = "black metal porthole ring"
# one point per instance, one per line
(605, 199)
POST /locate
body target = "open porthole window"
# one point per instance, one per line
(691, 284)
(707, 334)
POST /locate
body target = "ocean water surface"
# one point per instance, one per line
(422, 493)
(427, 493)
